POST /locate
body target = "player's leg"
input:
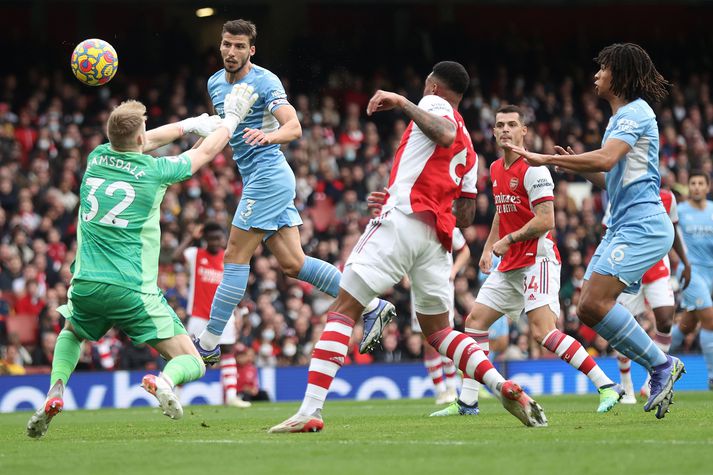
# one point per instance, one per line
(432, 299)
(660, 296)
(241, 247)
(636, 304)
(481, 317)
(184, 365)
(286, 246)
(66, 356)
(620, 261)
(468, 356)
(542, 324)
(86, 314)
(327, 357)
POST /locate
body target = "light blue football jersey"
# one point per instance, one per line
(633, 183)
(271, 96)
(697, 229)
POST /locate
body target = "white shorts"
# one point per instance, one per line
(416, 327)
(393, 245)
(525, 289)
(657, 294)
(196, 325)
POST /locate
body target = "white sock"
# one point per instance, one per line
(207, 340)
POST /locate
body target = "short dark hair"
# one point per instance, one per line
(705, 175)
(241, 27)
(212, 226)
(510, 108)
(633, 73)
(453, 75)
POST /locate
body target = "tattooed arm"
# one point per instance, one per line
(541, 223)
(464, 211)
(439, 129)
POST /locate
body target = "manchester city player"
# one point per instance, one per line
(640, 232)
(696, 224)
(266, 211)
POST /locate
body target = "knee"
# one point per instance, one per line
(291, 268)
(591, 311)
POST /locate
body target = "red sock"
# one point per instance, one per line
(570, 351)
(466, 355)
(327, 357)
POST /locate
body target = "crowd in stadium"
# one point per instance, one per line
(47, 130)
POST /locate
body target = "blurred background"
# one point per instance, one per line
(331, 56)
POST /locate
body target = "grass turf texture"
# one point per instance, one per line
(372, 437)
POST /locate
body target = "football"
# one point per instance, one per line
(94, 62)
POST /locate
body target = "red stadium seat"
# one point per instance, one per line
(25, 326)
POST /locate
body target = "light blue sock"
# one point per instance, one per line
(229, 294)
(626, 336)
(322, 275)
(706, 339)
(677, 338)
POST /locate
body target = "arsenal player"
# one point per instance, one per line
(528, 276)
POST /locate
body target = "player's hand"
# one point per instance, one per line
(197, 232)
(237, 105)
(685, 276)
(255, 137)
(202, 125)
(376, 201)
(486, 261)
(561, 151)
(534, 159)
(383, 101)
(501, 247)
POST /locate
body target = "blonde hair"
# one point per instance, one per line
(125, 122)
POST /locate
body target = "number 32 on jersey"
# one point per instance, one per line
(112, 216)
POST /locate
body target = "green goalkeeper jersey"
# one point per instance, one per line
(118, 237)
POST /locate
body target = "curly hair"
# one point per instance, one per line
(633, 73)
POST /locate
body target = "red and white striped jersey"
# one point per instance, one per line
(517, 190)
(426, 177)
(662, 269)
(206, 272)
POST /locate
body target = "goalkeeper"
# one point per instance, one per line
(116, 268)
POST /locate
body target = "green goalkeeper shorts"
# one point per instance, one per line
(94, 307)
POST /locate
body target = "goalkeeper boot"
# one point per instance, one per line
(40, 420)
(374, 324)
(163, 392)
(299, 423)
(210, 357)
(609, 397)
(457, 408)
(520, 405)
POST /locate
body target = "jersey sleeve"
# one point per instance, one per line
(629, 126)
(458, 240)
(673, 211)
(190, 256)
(275, 95)
(173, 169)
(437, 105)
(539, 185)
(469, 189)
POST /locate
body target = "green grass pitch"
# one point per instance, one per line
(373, 437)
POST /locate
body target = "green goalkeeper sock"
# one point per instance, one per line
(66, 356)
(184, 369)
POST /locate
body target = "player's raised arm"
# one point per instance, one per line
(237, 105)
(439, 129)
(600, 160)
(202, 125)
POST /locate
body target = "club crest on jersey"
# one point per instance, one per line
(513, 183)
